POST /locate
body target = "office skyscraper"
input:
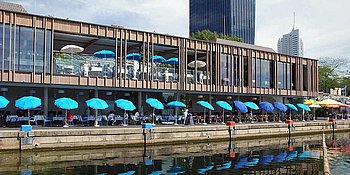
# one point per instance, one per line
(230, 17)
(291, 44)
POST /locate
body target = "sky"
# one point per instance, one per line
(324, 24)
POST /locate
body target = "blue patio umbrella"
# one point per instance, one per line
(172, 61)
(156, 172)
(252, 105)
(268, 107)
(280, 106)
(280, 157)
(3, 102)
(155, 104)
(96, 103)
(66, 103)
(266, 159)
(174, 170)
(125, 105)
(292, 107)
(133, 56)
(28, 103)
(224, 105)
(104, 54)
(176, 104)
(158, 59)
(303, 106)
(127, 173)
(241, 106)
(205, 105)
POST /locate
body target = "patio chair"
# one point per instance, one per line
(12, 121)
(46, 120)
(36, 119)
(134, 120)
(110, 119)
(83, 120)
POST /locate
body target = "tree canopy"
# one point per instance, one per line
(328, 73)
(208, 35)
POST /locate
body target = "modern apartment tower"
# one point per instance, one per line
(291, 44)
(230, 17)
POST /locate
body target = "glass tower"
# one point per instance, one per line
(230, 17)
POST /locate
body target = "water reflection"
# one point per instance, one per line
(268, 156)
(339, 154)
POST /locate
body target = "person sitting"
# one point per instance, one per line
(70, 118)
(110, 117)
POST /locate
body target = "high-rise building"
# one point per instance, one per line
(291, 44)
(230, 17)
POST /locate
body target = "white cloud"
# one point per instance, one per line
(323, 24)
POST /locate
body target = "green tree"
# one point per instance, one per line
(208, 35)
(327, 73)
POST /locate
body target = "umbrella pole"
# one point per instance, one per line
(175, 116)
(251, 115)
(66, 119)
(290, 114)
(223, 116)
(153, 117)
(96, 123)
(28, 116)
(204, 117)
(303, 116)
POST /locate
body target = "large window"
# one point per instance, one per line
(26, 47)
(294, 77)
(262, 73)
(245, 70)
(225, 69)
(21, 48)
(283, 75)
(305, 78)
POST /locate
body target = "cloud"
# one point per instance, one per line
(323, 24)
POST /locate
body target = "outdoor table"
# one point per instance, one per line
(58, 120)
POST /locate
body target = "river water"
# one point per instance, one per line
(298, 155)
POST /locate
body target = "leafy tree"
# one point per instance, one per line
(208, 35)
(327, 72)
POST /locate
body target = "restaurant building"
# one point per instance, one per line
(32, 64)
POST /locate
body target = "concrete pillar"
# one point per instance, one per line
(139, 102)
(46, 101)
(96, 93)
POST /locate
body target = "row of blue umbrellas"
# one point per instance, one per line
(137, 57)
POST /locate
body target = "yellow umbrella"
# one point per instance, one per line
(310, 102)
(329, 102)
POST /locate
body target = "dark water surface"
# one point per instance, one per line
(299, 155)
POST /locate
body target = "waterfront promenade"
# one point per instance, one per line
(78, 137)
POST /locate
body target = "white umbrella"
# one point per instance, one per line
(199, 64)
(72, 49)
(315, 106)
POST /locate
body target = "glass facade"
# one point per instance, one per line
(19, 53)
(284, 75)
(28, 49)
(230, 17)
(262, 73)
